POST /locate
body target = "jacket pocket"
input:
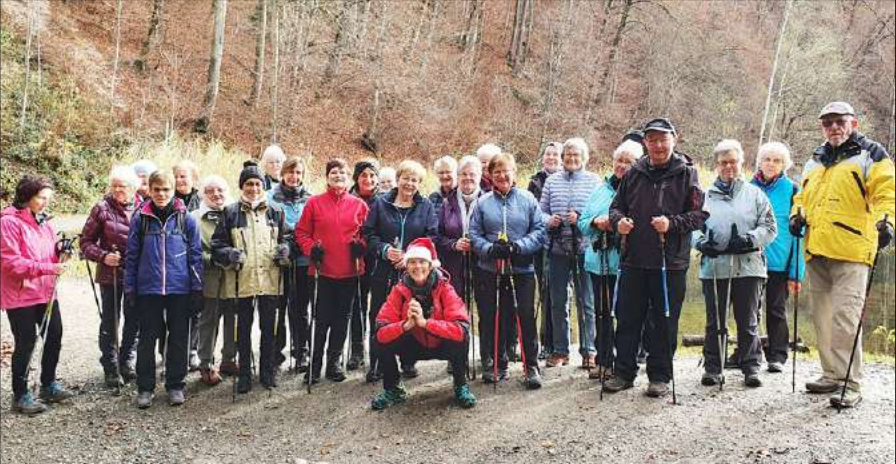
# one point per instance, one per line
(847, 228)
(855, 177)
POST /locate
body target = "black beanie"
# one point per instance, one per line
(360, 166)
(250, 171)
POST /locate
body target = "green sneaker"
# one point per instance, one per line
(389, 397)
(26, 405)
(464, 396)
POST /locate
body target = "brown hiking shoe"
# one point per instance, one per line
(823, 385)
(600, 371)
(589, 362)
(229, 368)
(557, 360)
(210, 377)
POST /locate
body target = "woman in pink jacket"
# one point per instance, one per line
(30, 264)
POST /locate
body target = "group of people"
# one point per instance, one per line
(371, 256)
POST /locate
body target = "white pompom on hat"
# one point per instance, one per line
(422, 248)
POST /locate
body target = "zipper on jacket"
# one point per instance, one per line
(856, 178)
(848, 228)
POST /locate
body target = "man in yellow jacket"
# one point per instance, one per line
(846, 208)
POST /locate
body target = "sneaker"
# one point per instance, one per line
(355, 362)
(600, 371)
(823, 385)
(775, 367)
(210, 376)
(194, 361)
(589, 362)
(334, 373)
(657, 389)
(752, 380)
(229, 368)
(533, 378)
(176, 397)
(144, 400)
(27, 406)
(54, 393)
(850, 399)
(409, 372)
(389, 397)
(244, 384)
(709, 379)
(113, 380)
(617, 384)
(464, 396)
(128, 374)
(557, 360)
(503, 375)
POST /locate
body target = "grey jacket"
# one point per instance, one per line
(564, 191)
(518, 215)
(750, 210)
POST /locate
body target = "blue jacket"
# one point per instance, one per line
(599, 205)
(163, 259)
(564, 191)
(781, 254)
(385, 223)
(524, 227)
(292, 212)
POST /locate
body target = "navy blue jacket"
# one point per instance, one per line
(385, 223)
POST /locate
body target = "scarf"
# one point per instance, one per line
(252, 204)
(725, 187)
(466, 204)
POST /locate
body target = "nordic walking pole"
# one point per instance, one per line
(666, 311)
(236, 319)
(64, 246)
(96, 298)
(796, 305)
(497, 322)
(604, 301)
(576, 286)
(723, 356)
(116, 342)
(310, 372)
(465, 264)
(291, 272)
(855, 342)
(715, 301)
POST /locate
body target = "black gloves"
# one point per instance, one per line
(797, 225)
(236, 257)
(196, 303)
(738, 244)
(317, 254)
(281, 255)
(884, 234)
(500, 250)
(356, 247)
(707, 247)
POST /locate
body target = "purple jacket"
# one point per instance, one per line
(106, 228)
(451, 229)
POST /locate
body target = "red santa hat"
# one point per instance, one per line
(422, 248)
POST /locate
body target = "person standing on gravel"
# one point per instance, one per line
(186, 176)
(657, 206)
(163, 273)
(31, 262)
(846, 208)
(217, 289)
(733, 269)
(251, 239)
(422, 318)
(366, 179)
(104, 240)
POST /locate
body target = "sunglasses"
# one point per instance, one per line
(842, 122)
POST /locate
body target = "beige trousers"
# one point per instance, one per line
(837, 294)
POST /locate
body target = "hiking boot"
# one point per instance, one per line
(409, 371)
(26, 405)
(194, 362)
(334, 373)
(657, 389)
(823, 385)
(775, 367)
(229, 368)
(533, 378)
(752, 380)
(503, 375)
(355, 361)
(599, 372)
(733, 361)
(589, 361)
(244, 384)
(389, 397)
(617, 384)
(269, 379)
(279, 358)
(373, 375)
(113, 380)
(544, 354)
(557, 360)
(850, 399)
(302, 364)
(709, 379)
(144, 400)
(54, 393)
(128, 374)
(176, 397)
(210, 376)
(488, 376)
(642, 356)
(464, 396)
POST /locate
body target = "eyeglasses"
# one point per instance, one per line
(842, 122)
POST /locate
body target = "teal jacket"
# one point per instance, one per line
(781, 253)
(599, 205)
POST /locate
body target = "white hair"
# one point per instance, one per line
(144, 167)
(125, 174)
(726, 146)
(387, 173)
(775, 148)
(471, 162)
(215, 180)
(445, 161)
(273, 153)
(557, 146)
(629, 147)
(489, 151)
(579, 144)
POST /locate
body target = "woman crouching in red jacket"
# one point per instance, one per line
(423, 318)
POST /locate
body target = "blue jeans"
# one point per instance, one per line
(560, 275)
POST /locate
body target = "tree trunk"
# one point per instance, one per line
(614, 50)
(203, 123)
(154, 36)
(771, 78)
(472, 29)
(261, 12)
(29, 39)
(275, 25)
(118, 7)
(554, 60)
(371, 137)
(434, 12)
(891, 131)
(343, 35)
(522, 21)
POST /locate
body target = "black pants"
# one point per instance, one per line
(24, 323)
(161, 317)
(542, 272)
(776, 294)
(296, 288)
(127, 325)
(745, 299)
(604, 288)
(333, 308)
(523, 314)
(641, 298)
(267, 312)
(359, 317)
(409, 349)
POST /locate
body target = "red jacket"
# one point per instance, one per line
(449, 318)
(28, 259)
(334, 221)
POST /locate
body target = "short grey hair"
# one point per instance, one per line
(273, 153)
(125, 174)
(775, 148)
(387, 173)
(471, 162)
(489, 150)
(445, 161)
(579, 144)
(215, 180)
(144, 167)
(727, 146)
(629, 147)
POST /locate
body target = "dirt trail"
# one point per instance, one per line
(562, 423)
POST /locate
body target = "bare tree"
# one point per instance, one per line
(371, 137)
(341, 42)
(203, 123)
(613, 52)
(261, 16)
(771, 79)
(275, 82)
(29, 39)
(522, 26)
(154, 36)
(118, 7)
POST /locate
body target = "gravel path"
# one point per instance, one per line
(562, 423)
